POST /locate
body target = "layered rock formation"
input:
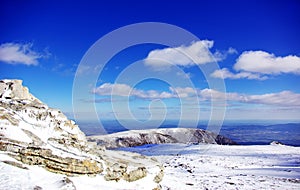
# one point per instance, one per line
(159, 136)
(31, 133)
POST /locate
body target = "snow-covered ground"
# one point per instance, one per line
(226, 167)
(185, 167)
(37, 178)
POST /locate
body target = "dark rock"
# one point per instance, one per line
(190, 184)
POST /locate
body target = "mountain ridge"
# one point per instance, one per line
(159, 136)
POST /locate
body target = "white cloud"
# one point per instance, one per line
(259, 64)
(284, 98)
(196, 53)
(113, 89)
(231, 50)
(208, 94)
(183, 92)
(266, 63)
(225, 73)
(14, 53)
(108, 89)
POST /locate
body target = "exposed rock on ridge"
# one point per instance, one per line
(13, 89)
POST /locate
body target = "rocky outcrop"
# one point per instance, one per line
(224, 140)
(31, 133)
(33, 155)
(13, 89)
(159, 136)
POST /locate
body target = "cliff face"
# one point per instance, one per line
(33, 134)
(159, 136)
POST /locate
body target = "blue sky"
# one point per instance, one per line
(256, 45)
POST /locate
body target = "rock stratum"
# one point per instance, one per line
(159, 136)
(33, 134)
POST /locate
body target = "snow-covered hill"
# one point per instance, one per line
(38, 142)
(159, 136)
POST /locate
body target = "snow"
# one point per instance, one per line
(98, 182)
(185, 167)
(16, 178)
(13, 132)
(226, 167)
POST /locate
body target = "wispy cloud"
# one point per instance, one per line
(185, 92)
(196, 53)
(158, 108)
(226, 74)
(108, 89)
(259, 65)
(64, 70)
(283, 98)
(184, 75)
(17, 53)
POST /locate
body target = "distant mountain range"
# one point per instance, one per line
(288, 133)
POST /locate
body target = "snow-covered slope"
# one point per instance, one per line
(159, 136)
(211, 166)
(34, 137)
